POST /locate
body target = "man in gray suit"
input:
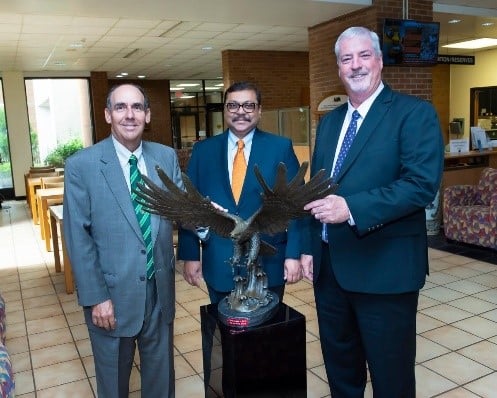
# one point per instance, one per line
(124, 305)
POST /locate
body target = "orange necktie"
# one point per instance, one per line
(239, 171)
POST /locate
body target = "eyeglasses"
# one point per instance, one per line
(248, 107)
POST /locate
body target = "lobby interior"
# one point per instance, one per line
(457, 318)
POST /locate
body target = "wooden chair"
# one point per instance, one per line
(55, 184)
(32, 181)
(48, 181)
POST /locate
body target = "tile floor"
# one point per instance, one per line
(51, 354)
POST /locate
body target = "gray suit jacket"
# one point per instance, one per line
(104, 240)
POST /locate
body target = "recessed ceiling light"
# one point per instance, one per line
(454, 21)
(77, 44)
(473, 44)
(487, 24)
(207, 48)
(124, 73)
(141, 76)
(118, 76)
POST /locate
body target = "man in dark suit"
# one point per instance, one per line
(127, 293)
(210, 169)
(370, 260)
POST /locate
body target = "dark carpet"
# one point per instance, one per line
(440, 242)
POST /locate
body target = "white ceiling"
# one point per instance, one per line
(169, 38)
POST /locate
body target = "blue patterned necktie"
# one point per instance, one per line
(142, 216)
(346, 144)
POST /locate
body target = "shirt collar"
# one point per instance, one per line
(233, 139)
(124, 153)
(363, 109)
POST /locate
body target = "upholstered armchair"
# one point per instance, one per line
(470, 211)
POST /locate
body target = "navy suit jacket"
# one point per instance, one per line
(208, 171)
(391, 173)
(104, 241)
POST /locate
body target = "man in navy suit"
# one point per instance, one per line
(123, 306)
(210, 170)
(370, 260)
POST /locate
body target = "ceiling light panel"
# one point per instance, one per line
(473, 44)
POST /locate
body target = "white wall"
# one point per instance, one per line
(464, 77)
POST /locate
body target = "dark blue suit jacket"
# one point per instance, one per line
(391, 173)
(208, 170)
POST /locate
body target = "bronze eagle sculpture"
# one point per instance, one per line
(284, 202)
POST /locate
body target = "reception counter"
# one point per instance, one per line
(466, 167)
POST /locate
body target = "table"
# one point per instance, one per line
(267, 360)
(43, 196)
(56, 219)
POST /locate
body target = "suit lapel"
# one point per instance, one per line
(256, 157)
(113, 174)
(332, 139)
(375, 115)
(223, 171)
(150, 163)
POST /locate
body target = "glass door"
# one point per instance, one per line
(215, 119)
(185, 128)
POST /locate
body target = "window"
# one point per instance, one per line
(59, 116)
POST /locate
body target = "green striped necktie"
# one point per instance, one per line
(143, 217)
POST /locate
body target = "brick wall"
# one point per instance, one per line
(282, 76)
(323, 69)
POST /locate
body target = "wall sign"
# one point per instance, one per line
(331, 102)
(456, 59)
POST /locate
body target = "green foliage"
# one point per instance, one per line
(35, 147)
(4, 139)
(58, 156)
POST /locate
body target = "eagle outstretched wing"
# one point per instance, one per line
(286, 200)
(187, 207)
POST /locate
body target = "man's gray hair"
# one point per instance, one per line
(358, 31)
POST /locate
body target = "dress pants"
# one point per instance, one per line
(356, 328)
(114, 356)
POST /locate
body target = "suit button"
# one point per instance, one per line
(143, 251)
(142, 278)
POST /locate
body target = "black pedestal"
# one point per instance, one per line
(268, 360)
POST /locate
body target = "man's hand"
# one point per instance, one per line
(293, 270)
(332, 209)
(307, 266)
(102, 315)
(192, 272)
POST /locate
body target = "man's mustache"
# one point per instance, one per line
(241, 118)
